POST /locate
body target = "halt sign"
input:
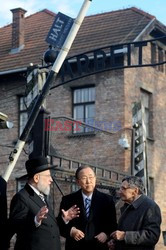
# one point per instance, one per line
(59, 30)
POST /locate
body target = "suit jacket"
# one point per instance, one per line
(102, 218)
(3, 215)
(141, 221)
(24, 207)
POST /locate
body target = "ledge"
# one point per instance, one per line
(82, 135)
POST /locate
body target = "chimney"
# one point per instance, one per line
(18, 29)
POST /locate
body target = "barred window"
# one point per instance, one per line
(84, 107)
(23, 115)
(146, 98)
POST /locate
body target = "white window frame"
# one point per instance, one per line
(84, 99)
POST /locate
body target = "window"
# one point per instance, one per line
(151, 188)
(74, 187)
(160, 59)
(153, 53)
(146, 99)
(84, 107)
(23, 114)
(157, 56)
(20, 183)
(26, 102)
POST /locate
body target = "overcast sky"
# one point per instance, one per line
(71, 7)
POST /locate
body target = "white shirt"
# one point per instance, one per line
(37, 224)
(85, 196)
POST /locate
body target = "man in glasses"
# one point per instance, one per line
(139, 224)
(97, 218)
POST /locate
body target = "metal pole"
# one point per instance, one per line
(51, 77)
(132, 151)
(56, 183)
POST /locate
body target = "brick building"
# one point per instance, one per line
(94, 91)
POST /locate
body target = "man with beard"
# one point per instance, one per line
(31, 217)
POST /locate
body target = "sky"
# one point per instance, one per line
(71, 8)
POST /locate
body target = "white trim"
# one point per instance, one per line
(142, 32)
(12, 71)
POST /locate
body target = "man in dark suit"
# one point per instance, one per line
(3, 215)
(97, 219)
(139, 224)
(31, 217)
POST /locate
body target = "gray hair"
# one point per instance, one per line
(135, 181)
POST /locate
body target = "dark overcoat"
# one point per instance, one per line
(4, 237)
(24, 207)
(141, 221)
(102, 218)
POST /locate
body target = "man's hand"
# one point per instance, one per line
(101, 237)
(76, 234)
(111, 244)
(41, 214)
(118, 235)
(71, 213)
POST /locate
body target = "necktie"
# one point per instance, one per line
(42, 197)
(87, 206)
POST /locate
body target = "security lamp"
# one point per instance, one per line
(6, 124)
(3, 121)
(123, 142)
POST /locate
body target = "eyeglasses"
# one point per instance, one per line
(85, 178)
(125, 188)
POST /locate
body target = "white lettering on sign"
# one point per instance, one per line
(57, 28)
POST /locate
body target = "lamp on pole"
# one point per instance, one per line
(4, 123)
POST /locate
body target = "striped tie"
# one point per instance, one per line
(87, 207)
(42, 197)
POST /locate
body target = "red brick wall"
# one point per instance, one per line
(115, 93)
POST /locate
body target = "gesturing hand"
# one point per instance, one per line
(42, 214)
(71, 213)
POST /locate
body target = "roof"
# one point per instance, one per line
(98, 30)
